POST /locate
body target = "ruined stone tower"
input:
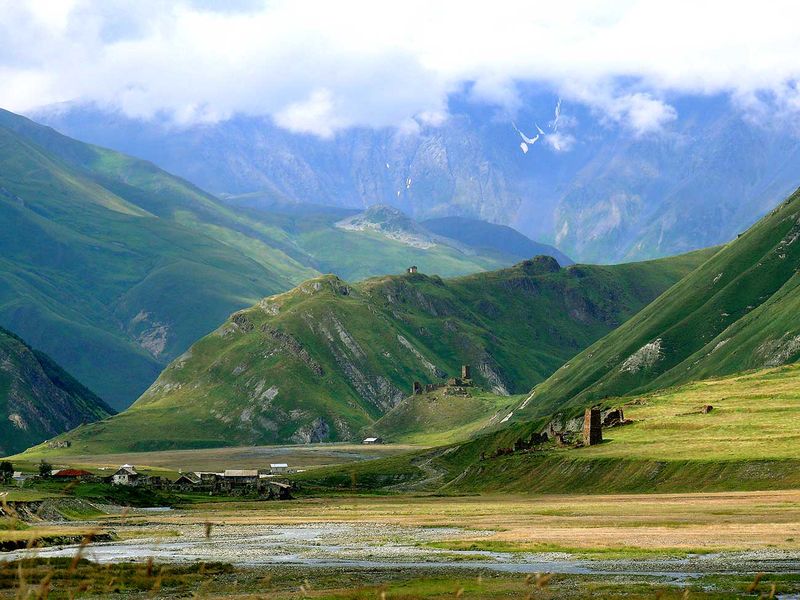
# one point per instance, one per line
(592, 428)
(466, 372)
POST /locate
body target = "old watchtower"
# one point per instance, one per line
(592, 428)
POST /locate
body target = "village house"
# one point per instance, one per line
(372, 440)
(188, 481)
(240, 476)
(278, 469)
(20, 478)
(72, 475)
(125, 475)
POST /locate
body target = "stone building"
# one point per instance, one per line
(592, 427)
(125, 475)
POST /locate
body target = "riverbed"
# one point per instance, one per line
(374, 545)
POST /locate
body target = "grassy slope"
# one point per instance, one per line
(343, 355)
(750, 440)
(90, 272)
(309, 234)
(736, 312)
(105, 254)
(38, 399)
(436, 418)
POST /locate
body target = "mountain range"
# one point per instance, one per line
(114, 267)
(594, 188)
(328, 358)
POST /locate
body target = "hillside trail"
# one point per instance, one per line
(434, 476)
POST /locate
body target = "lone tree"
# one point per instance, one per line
(6, 471)
(45, 469)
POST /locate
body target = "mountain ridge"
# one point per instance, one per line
(734, 313)
(596, 191)
(328, 358)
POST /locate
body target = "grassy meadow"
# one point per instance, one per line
(748, 441)
(620, 528)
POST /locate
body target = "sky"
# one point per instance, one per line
(322, 66)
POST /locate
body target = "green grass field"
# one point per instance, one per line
(748, 441)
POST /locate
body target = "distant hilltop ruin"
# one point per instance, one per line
(454, 386)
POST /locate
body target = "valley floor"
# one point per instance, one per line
(421, 546)
(304, 456)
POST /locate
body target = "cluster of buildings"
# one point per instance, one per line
(261, 482)
(229, 482)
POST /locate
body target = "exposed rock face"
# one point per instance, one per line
(315, 432)
(777, 352)
(37, 399)
(644, 358)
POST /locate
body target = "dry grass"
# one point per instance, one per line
(245, 457)
(718, 521)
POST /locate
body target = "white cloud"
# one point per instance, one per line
(560, 141)
(319, 66)
(314, 115)
(645, 114)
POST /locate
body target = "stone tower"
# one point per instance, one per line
(592, 428)
(466, 372)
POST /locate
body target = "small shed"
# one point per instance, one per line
(125, 475)
(20, 478)
(372, 440)
(278, 468)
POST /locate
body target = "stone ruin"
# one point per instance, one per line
(592, 427)
(454, 386)
(59, 444)
(613, 418)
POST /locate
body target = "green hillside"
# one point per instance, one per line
(93, 277)
(750, 440)
(328, 358)
(738, 311)
(115, 267)
(437, 418)
(38, 399)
